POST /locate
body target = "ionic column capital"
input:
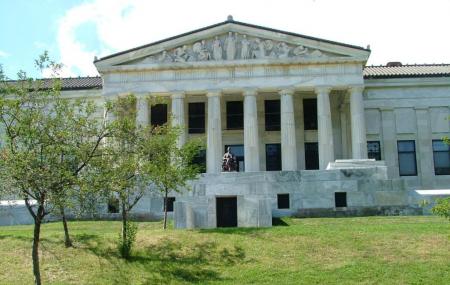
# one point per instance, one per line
(356, 89)
(250, 92)
(287, 91)
(322, 89)
(178, 95)
(213, 93)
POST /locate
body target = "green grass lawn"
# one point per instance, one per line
(373, 250)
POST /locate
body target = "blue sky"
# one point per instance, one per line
(74, 31)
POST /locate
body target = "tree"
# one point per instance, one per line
(172, 167)
(48, 142)
(120, 164)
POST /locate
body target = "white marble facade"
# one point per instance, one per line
(233, 61)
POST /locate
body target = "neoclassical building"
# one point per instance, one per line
(315, 131)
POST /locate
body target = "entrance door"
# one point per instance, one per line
(226, 212)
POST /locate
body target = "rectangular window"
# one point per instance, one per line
(196, 121)
(340, 199)
(272, 115)
(283, 201)
(200, 160)
(441, 156)
(374, 150)
(170, 201)
(235, 115)
(113, 206)
(158, 114)
(310, 114)
(407, 158)
(311, 156)
(273, 157)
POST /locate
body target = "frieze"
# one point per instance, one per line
(233, 46)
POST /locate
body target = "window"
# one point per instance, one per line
(373, 150)
(272, 115)
(311, 156)
(407, 158)
(273, 157)
(158, 114)
(196, 119)
(170, 201)
(238, 151)
(441, 156)
(235, 115)
(310, 114)
(113, 206)
(283, 201)
(340, 199)
(200, 160)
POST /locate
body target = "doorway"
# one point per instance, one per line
(226, 212)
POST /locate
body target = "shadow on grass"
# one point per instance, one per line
(276, 222)
(165, 261)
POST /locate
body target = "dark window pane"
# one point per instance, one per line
(235, 115)
(310, 114)
(407, 158)
(374, 150)
(113, 205)
(170, 201)
(273, 157)
(340, 199)
(311, 156)
(200, 160)
(441, 156)
(272, 115)
(196, 119)
(158, 114)
(283, 201)
(238, 151)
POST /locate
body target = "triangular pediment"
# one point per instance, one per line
(234, 41)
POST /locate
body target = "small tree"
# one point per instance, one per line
(172, 167)
(48, 142)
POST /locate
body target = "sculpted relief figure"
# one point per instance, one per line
(230, 46)
(164, 57)
(217, 49)
(283, 50)
(245, 47)
(201, 50)
(300, 50)
(229, 162)
(259, 51)
(180, 54)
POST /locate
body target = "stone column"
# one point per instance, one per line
(389, 146)
(425, 148)
(178, 116)
(142, 112)
(214, 149)
(251, 134)
(288, 139)
(325, 127)
(359, 140)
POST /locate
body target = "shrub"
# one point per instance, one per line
(125, 246)
(442, 208)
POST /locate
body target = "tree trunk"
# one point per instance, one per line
(35, 248)
(124, 223)
(67, 240)
(165, 209)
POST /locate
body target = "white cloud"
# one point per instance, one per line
(405, 30)
(4, 54)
